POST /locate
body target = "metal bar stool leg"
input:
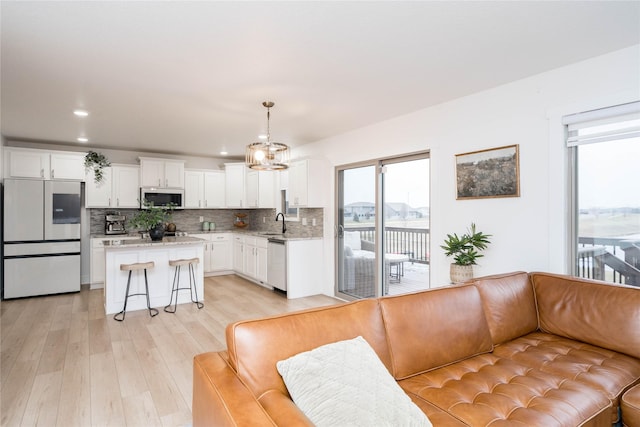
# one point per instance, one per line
(152, 311)
(174, 290)
(126, 298)
(192, 287)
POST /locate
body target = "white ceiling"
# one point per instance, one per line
(190, 77)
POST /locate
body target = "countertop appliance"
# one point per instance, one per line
(41, 237)
(163, 197)
(114, 223)
(277, 265)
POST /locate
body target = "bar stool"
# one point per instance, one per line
(177, 263)
(130, 268)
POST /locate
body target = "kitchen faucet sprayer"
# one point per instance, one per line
(284, 226)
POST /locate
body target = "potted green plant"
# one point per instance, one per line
(465, 250)
(151, 219)
(96, 162)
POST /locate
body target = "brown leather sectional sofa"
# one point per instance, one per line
(516, 349)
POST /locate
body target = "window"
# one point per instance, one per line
(605, 176)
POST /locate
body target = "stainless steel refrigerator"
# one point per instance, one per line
(41, 253)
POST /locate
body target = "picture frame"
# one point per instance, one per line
(490, 173)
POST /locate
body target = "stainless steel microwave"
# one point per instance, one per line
(163, 197)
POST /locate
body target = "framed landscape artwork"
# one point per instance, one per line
(494, 172)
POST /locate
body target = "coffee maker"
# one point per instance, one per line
(114, 223)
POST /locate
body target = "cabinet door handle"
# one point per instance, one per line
(159, 182)
(41, 173)
(199, 203)
(166, 182)
(53, 173)
(118, 202)
(205, 203)
(109, 201)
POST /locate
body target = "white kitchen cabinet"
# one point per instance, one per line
(193, 189)
(250, 256)
(98, 195)
(221, 252)
(305, 183)
(43, 164)
(260, 189)
(118, 189)
(161, 173)
(304, 267)
(238, 254)
(217, 252)
(96, 264)
(235, 185)
(68, 166)
(204, 189)
(255, 258)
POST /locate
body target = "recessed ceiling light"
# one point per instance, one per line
(223, 153)
(81, 113)
(262, 136)
(83, 139)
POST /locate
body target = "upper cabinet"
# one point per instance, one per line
(305, 183)
(204, 189)
(67, 166)
(43, 164)
(260, 189)
(234, 185)
(162, 173)
(119, 188)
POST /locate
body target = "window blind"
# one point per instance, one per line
(605, 124)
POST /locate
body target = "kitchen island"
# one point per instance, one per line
(160, 277)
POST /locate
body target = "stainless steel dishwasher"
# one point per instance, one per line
(277, 264)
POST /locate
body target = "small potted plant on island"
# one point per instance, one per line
(465, 250)
(151, 219)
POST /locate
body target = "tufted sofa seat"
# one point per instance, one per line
(510, 350)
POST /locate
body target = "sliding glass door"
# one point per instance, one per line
(382, 232)
(356, 231)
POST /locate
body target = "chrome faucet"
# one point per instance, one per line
(284, 225)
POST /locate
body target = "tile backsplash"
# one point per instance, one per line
(259, 220)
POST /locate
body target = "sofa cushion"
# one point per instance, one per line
(597, 313)
(352, 239)
(598, 368)
(631, 407)
(509, 305)
(345, 383)
(255, 346)
(489, 390)
(430, 329)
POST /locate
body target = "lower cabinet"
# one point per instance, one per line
(255, 258)
(217, 252)
(250, 257)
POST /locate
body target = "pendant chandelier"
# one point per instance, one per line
(267, 155)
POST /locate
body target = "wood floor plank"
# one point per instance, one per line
(106, 402)
(16, 391)
(130, 376)
(54, 351)
(99, 336)
(139, 410)
(136, 372)
(75, 395)
(42, 407)
(165, 392)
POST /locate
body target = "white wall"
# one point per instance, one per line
(528, 231)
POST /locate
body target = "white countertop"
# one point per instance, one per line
(113, 243)
(264, 234)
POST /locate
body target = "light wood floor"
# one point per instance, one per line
(65, 363)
